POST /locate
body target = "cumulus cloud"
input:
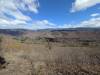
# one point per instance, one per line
(27, 5)
(93, 22)
(14, 8)
(83, 4)
(38, 24)
(95, 14)
(42, 24)
(12, 16)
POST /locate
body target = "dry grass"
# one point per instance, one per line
(49, 59)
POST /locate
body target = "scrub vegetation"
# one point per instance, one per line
(50, 53)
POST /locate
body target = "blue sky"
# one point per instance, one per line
(43, 14)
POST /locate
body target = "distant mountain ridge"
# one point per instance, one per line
(58, 29)
(69, 36)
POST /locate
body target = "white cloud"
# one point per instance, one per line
(42, 24)
(8, 23)
(28, 5)
(83, 4)
(25, 5)
(67, 26)
(95, 14)
(93, 22)
(14, 8)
